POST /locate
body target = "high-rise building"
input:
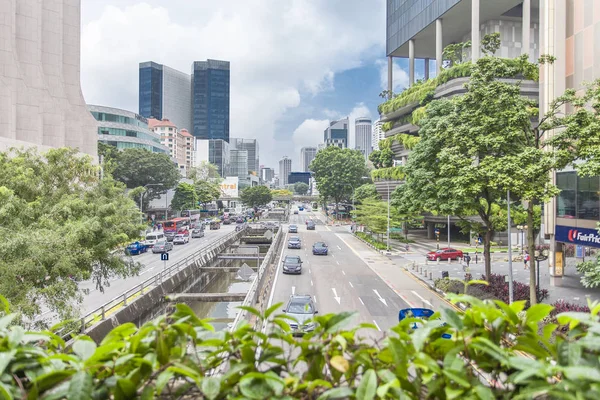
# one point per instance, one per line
(285, 167)
(165, 92)
(251, 146)
(295, 177)
(363, 136)
(377, 135)
(238, 163)
(307, 154)
(267, 174)
(41, 104)
(337, 133)
(179, 142)
(216, 152)
(210, 99)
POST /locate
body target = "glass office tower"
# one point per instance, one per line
(210, 99)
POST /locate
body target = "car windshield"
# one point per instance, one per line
(294, 239)
(160, 243)
(292, 260)
(300, 308)
(179, 236)
(293, 226)
(320, 244)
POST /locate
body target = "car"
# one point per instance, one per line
(301, 208)
(181, 239)
(162, 246)
(293, 229)
(444, 254)
(302, 308)
(292, 265)
(214, 225)
(319, 248)
(240, 227)
(294, 243)
(152, 238)
(239, 220)
(422, 314)
(170, 235)
(136, 248)
(197, 233)
(310, 225)
(295, 211)
(226, 221)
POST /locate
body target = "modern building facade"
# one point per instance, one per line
(41, 104)
(377, 135)
(363, 133)
(267, 174)
(238, 163)
(295, 177)
(251, 146)
(285, 167)
(210, 99)
(125, 130)
(216, 152)
(179, 142)
(165, 92)
(307, 154)
(337, 133)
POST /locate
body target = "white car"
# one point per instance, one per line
(181, 239)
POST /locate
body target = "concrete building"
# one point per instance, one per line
(307, 154)
(285, 167)
(216, 152)
(569, 31)
(251, 146)
(41, 104)
(210, 99)
(267, 174)
(377, 135)
(337, 133)
(165, 92)
(363, 135)
(125, 130)
(179, 142)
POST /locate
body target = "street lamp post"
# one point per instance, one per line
(510, 270)
(522, 229)
(388, 215)
(539, 256)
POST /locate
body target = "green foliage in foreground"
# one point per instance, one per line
(174, 357)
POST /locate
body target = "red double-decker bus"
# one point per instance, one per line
(175, 224)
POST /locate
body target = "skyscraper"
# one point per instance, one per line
(285, 167)
(307, 154)
(378, 134)
(363, 135)
(165, 92)
(216, 152)
(210, 99)
(267, 174)
(337, 133)
(251, 146)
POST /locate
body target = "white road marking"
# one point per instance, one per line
(361, 302)
(311, 283)
(335, 296)
(380, 298)
(425, 301)
(339, 247)
(309, 271)
(337, 262)
(333, 255)
(315, 298)
(276, 276)
(375, 322)
(293, 289)
(351, 284)
(343, 272)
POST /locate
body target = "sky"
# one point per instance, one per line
(295, 64)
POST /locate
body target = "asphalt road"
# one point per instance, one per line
(352, 277)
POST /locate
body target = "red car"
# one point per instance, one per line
(444, 254)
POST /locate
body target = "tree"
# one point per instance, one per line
(140, 167)
(59, 225)
(205, 172)
(367, 191)
(337, 171)
(185, 197)
(375, 158)
(256, 196)
(300, 188)
(281, 193)
(207, 192)
(491, 43)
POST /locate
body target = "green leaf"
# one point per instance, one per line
(538, 312)
(338, 321)
(336, 393)
(5, 391)
(582, 373)
(51, 379)
(6, 320)
(80, 387)
(254, 386)
(458, 377)
(484, 392)
(5, 359)
(251, 310)
(367, 388)
(148, 393)
(125, 389)
(162, 380)
(162, 349)
(272, 309)
(452, 318)
(5, 305)
(383, 390)
(453, 393)
(211, 387)
(339, 363)
(84, 348)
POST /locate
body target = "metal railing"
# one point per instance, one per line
(100, 313)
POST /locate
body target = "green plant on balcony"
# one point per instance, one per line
(387, 126)
(391, 173)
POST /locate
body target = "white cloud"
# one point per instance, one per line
(399, 76)
(280, 51)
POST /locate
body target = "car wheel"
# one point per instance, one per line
(438, 259)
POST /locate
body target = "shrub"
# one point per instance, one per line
(562, 306)
(368, 238)
(391, 173)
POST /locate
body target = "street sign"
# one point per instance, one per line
(395, 230)
(437, 231)
(164, 256)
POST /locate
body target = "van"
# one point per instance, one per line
(153, 237)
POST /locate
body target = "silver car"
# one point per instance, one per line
(197, 233)
(162, 246)
(181, 239)
(302, 308)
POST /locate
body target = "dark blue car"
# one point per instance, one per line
(320, 249)
(136, 248)
(422, 313)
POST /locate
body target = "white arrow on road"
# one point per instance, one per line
(335, 296)
(380, 298)
(293, 289)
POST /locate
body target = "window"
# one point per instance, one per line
(588, 203)
(566, 200)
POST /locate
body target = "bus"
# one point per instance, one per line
(193, 215)
(175, 224)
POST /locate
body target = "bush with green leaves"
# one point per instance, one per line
(176, 357)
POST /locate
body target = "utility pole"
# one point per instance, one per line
(388, 216)
(448, 231)
(510, 270)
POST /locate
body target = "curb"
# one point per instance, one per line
(432, 287)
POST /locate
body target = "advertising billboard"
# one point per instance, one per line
(230, 186)
(580, 236)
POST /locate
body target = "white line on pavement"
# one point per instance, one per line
(380, 298)
(335, 296)
(339, 247)
(315, 298)
(361, 302)
(293, 289)
(351, 284)
(425, 301)
(309, 271)
(375, 322)
(311, 283)
(343, 272)
(276, 275)
(337, 262)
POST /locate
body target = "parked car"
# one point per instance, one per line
(310, 225)
(170, 236)
(292, 265)
(197, 232)
(136, 248)
(294, 243)
(293, 229)
(302, 308)
(422, 314)
(181, 239)
(319, 248)
(444, 254)
(162, 246)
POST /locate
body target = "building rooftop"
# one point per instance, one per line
(153, 123)
(186, 133)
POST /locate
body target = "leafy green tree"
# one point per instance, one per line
(256, 196)
(367, 191)
(300, 188)
(185, 197)
(375, 158)
(491, 43)
(207, 192)
(205, 172)
(337, 171)
(59, 225)
(140, 167)
(108, 155)
(281, 193)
